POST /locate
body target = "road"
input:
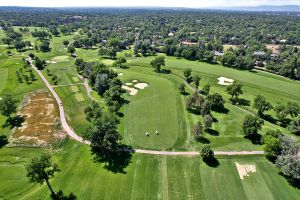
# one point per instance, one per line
(74, 136)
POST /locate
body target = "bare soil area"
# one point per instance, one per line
(41, 124)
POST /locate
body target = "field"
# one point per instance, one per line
(158, 107)
(164, 175)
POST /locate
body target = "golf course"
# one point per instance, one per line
(154, 116)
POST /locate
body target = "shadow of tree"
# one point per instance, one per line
(270, 119)
(212, 132)
(212, 162)
(203, 140)
(241, 102)
(220, 110)
(293, 182)
(13, 122)
(256, 139)
(120, 159)
(3, 141)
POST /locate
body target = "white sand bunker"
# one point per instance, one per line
(120, 74)
(225, 81)
(243, 170)
(132, 91)
(133, 88)
(51, 62)
(141, 86)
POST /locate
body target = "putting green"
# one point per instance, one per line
(74, 88)
(79, 97)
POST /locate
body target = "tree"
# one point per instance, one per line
(198, 130)
(114, 43)
(66, 42)
(281, 113)
(234, 90)
(61, 196)
(157, 63)
(206, 152)
(42, 169)
(8, 106)
(102, 83)
(45, 46)
(261, 105)
(293, 109)
(206, 89)
(288, 161)
(187, 74)
(207, 120)
(294, 126)
(216, 101)
(272, 146)
(181, 88)
(196, 81)
(93, 111)
(39, 63)
(20, 45)
(71, 49)
(119, 62)
(251, 125)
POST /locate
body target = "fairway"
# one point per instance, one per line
(147, 177)
(74, 88)
(79, 97)
(3, 79)
(75, 79)
(158, 107)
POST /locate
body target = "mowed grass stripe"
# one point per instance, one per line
(3, 79)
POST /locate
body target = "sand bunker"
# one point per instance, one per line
(132, 91)
(141, 86)
(120, 74)
(51, 62)
(225, 81)
(243, 170)
(135, 81)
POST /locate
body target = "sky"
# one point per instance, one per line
(161, 3)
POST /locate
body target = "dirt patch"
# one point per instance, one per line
(42, 125)
(244, 170)
(225, 81)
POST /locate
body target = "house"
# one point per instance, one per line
(259, 53)
(218, 53)
(188, 43)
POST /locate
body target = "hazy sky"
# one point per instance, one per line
(166, 3)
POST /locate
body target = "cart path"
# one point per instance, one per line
(74, 136)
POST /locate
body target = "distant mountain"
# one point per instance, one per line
(270, 8)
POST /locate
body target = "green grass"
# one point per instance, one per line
(4, 74)
(75, 114)
(79, 97)
(157, 107)
(74, 88)
(147, 177)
